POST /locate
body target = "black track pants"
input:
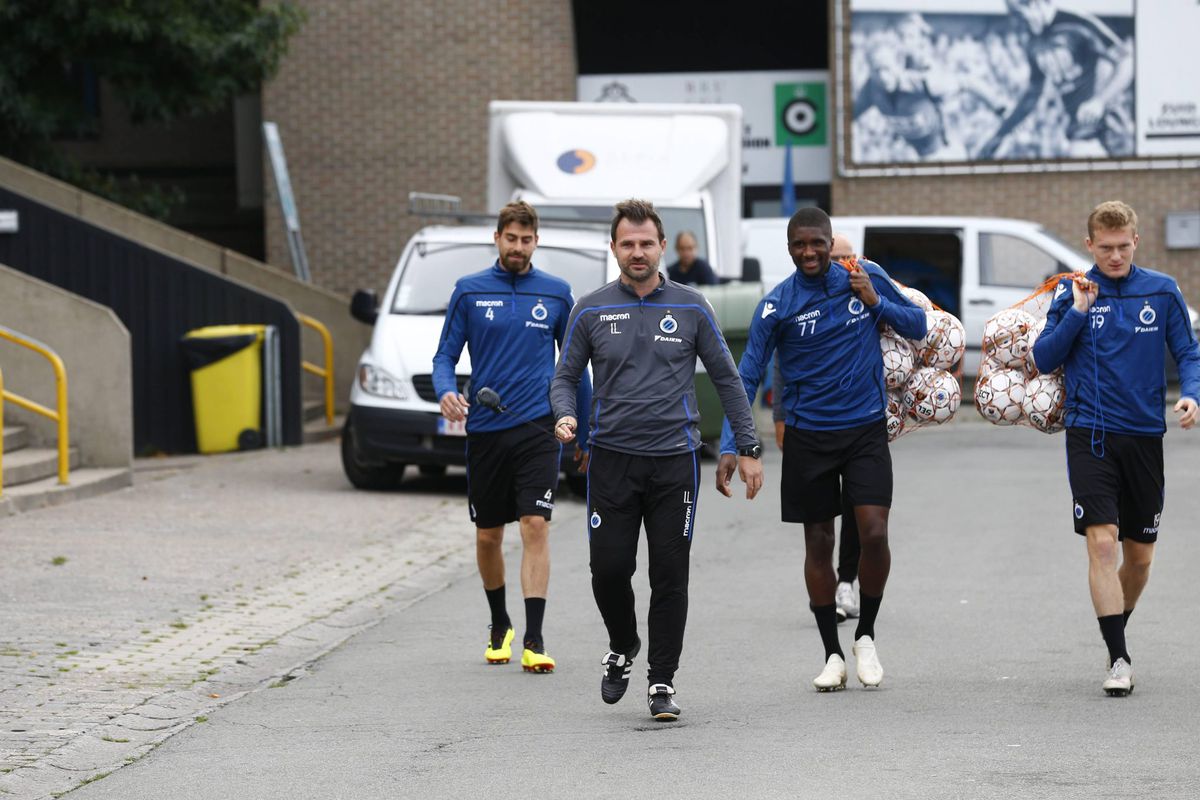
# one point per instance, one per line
(625, 491)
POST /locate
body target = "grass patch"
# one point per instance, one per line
(111, 739)
(58, 561)
(201, 718)
(94, 778)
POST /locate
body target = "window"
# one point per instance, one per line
(1005, 260)
(926, 259)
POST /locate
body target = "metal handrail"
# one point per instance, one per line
(60, 383)
(325, 372)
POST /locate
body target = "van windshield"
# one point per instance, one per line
(433, 267)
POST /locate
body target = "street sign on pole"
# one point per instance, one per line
(287, 201)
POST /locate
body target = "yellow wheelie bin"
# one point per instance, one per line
(226, 370)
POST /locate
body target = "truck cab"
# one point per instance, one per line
(395, 419)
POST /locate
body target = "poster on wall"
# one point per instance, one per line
(779, 109)
(934, 82)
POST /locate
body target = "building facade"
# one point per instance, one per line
(377, 98)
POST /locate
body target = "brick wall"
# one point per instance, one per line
(377, 98)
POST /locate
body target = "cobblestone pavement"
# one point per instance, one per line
(126, 618)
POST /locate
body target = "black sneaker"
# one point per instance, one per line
(662, 705)
(617, 667)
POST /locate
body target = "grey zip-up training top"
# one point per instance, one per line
(643, 353)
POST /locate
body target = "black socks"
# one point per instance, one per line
(535, 610)
(867, 614)
(500, 621)
(827, 625)
(1112, 628)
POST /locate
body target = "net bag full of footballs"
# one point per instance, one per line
(920, 387)
(1010, 390)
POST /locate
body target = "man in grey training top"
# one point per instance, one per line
(642, 334)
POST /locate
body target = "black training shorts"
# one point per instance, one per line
(818, 466)
(512, 473)
(1118, 480)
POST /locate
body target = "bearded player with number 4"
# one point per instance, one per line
(824, 321)
(510, 317)
(1109, 331)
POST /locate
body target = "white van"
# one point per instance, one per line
(394, 418)
(970, 266)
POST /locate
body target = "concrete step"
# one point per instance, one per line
(32, 464)
(318, 431)
(84, 483)
(15, 437)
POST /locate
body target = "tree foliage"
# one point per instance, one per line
(165, 60)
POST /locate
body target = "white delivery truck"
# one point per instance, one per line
(394, 419)
(970, 266)
(576, 160)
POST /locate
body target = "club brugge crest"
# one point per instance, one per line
(595, 519)
(1147, 314)
(668, 324)
(856, 306)
(1078, 511)
(539, 311)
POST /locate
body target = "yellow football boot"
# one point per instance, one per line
(501, 654)
(532, 661)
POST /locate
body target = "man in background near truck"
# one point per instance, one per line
(511, 316)
(642, 334)
(824, 320)
(690, 268)
(1110, 332)
(846, 597)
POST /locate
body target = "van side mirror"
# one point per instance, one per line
(364, 306)
(751, 270)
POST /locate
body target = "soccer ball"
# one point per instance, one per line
(1030, 367)
(917, 296)
(896, 415)
(945, 340)
(999, 394)
(1045, 396)
(1006, 337)
(935, 398)
(897, 360)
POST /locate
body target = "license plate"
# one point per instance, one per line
(448, 428)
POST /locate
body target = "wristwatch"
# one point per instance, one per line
(753, 451)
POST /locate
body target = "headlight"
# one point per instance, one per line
(376, 381)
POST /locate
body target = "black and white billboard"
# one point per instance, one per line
(1015, 83)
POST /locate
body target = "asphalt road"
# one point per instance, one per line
(992, 655)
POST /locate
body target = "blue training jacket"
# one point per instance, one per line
(828, 345)
(511, 323)
(1115, 367)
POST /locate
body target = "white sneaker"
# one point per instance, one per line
(1120, 679)
(870, 671)
(833, 677)
(847, 601)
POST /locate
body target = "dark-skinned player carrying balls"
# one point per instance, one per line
(824, 322)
